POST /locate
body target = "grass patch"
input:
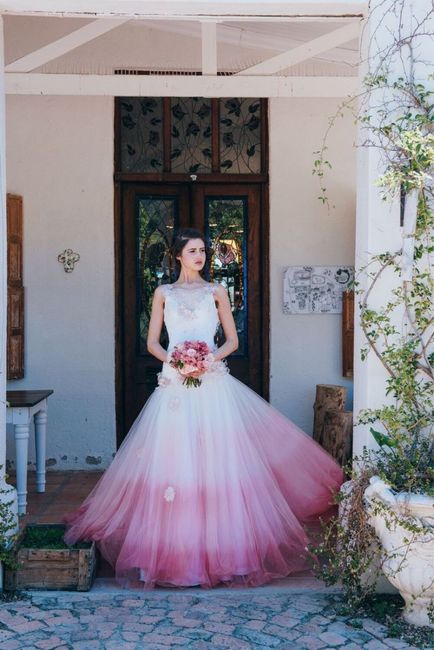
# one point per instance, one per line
(48, 537)
(387, 610)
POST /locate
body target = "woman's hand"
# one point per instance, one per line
(196, 374)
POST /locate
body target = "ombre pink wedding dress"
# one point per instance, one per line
(212, 484)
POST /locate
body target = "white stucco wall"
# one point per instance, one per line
(60, 159)
(306, 349)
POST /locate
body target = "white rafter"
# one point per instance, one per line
(209, 47)
(178, 85)
(185, 9)
(306, 51)
(252, 38)
(65, 44)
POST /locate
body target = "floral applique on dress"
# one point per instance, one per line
(169, 494)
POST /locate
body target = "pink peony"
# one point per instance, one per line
(191, 359)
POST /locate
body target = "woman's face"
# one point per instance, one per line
(193, 255)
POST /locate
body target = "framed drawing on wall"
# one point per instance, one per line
(315, 289)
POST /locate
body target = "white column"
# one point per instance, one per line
(7, 492)
(3, 263)
(377, 222)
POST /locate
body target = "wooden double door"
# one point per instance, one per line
(232, 217)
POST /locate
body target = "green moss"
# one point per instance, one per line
(49, 536)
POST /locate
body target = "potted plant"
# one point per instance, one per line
(42, 560)
(386, 519)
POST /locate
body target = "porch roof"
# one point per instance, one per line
(186, 8)
(212, 49)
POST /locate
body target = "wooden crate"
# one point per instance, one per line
(69, 569)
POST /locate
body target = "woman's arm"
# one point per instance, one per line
(228, 324)
(155, 325)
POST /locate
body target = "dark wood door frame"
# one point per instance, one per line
(119, 189)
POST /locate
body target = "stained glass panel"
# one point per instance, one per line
(191, 135)
(156, 219)
(141, 123)
(240, 136)
(225, 225)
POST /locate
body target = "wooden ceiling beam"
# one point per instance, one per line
(65, 44)
(185, 8)
(308, 50)
(209, 47)
(178, 85)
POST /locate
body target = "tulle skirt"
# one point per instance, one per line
(211, 485)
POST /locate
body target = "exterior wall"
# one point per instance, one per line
(306, 349)
(378, 222)
(60, 153)
(60, 159)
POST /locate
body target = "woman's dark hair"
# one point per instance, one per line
(180, 240)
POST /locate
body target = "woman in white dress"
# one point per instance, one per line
(212, 484)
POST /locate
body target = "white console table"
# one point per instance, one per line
(23, 405)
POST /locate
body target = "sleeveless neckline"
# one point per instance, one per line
(202, 286)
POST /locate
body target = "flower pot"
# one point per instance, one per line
(42, 566)
(404, 524)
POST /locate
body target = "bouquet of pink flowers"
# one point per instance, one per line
(191, 359)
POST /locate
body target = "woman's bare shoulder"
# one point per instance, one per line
(161, 291)
(219, 290)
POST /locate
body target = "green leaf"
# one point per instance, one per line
(382, 439)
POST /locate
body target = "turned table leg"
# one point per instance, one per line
(22, 444)
(40, 419)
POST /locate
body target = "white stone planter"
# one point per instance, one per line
(408, 560)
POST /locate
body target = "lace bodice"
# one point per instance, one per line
(190, 314)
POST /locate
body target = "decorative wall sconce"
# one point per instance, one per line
(68, 258)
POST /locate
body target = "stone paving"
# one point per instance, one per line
(114, 619)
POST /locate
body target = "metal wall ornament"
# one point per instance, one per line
(68, 258)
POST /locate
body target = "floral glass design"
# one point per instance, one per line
(190, 135)
(240, 135)
(141, 136)
(156, 219)
(225, 225)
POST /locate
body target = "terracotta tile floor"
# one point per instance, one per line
(64, 492)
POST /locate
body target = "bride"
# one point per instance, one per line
(212, 484)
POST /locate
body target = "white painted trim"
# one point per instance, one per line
(8, 494)
(209, 48)
(306, 51)
(65, 44)
(3, 261)
(178, 85)
(177, 8)
(249, 38)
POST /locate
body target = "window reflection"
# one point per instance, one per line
(156, 220)
(225, 226)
